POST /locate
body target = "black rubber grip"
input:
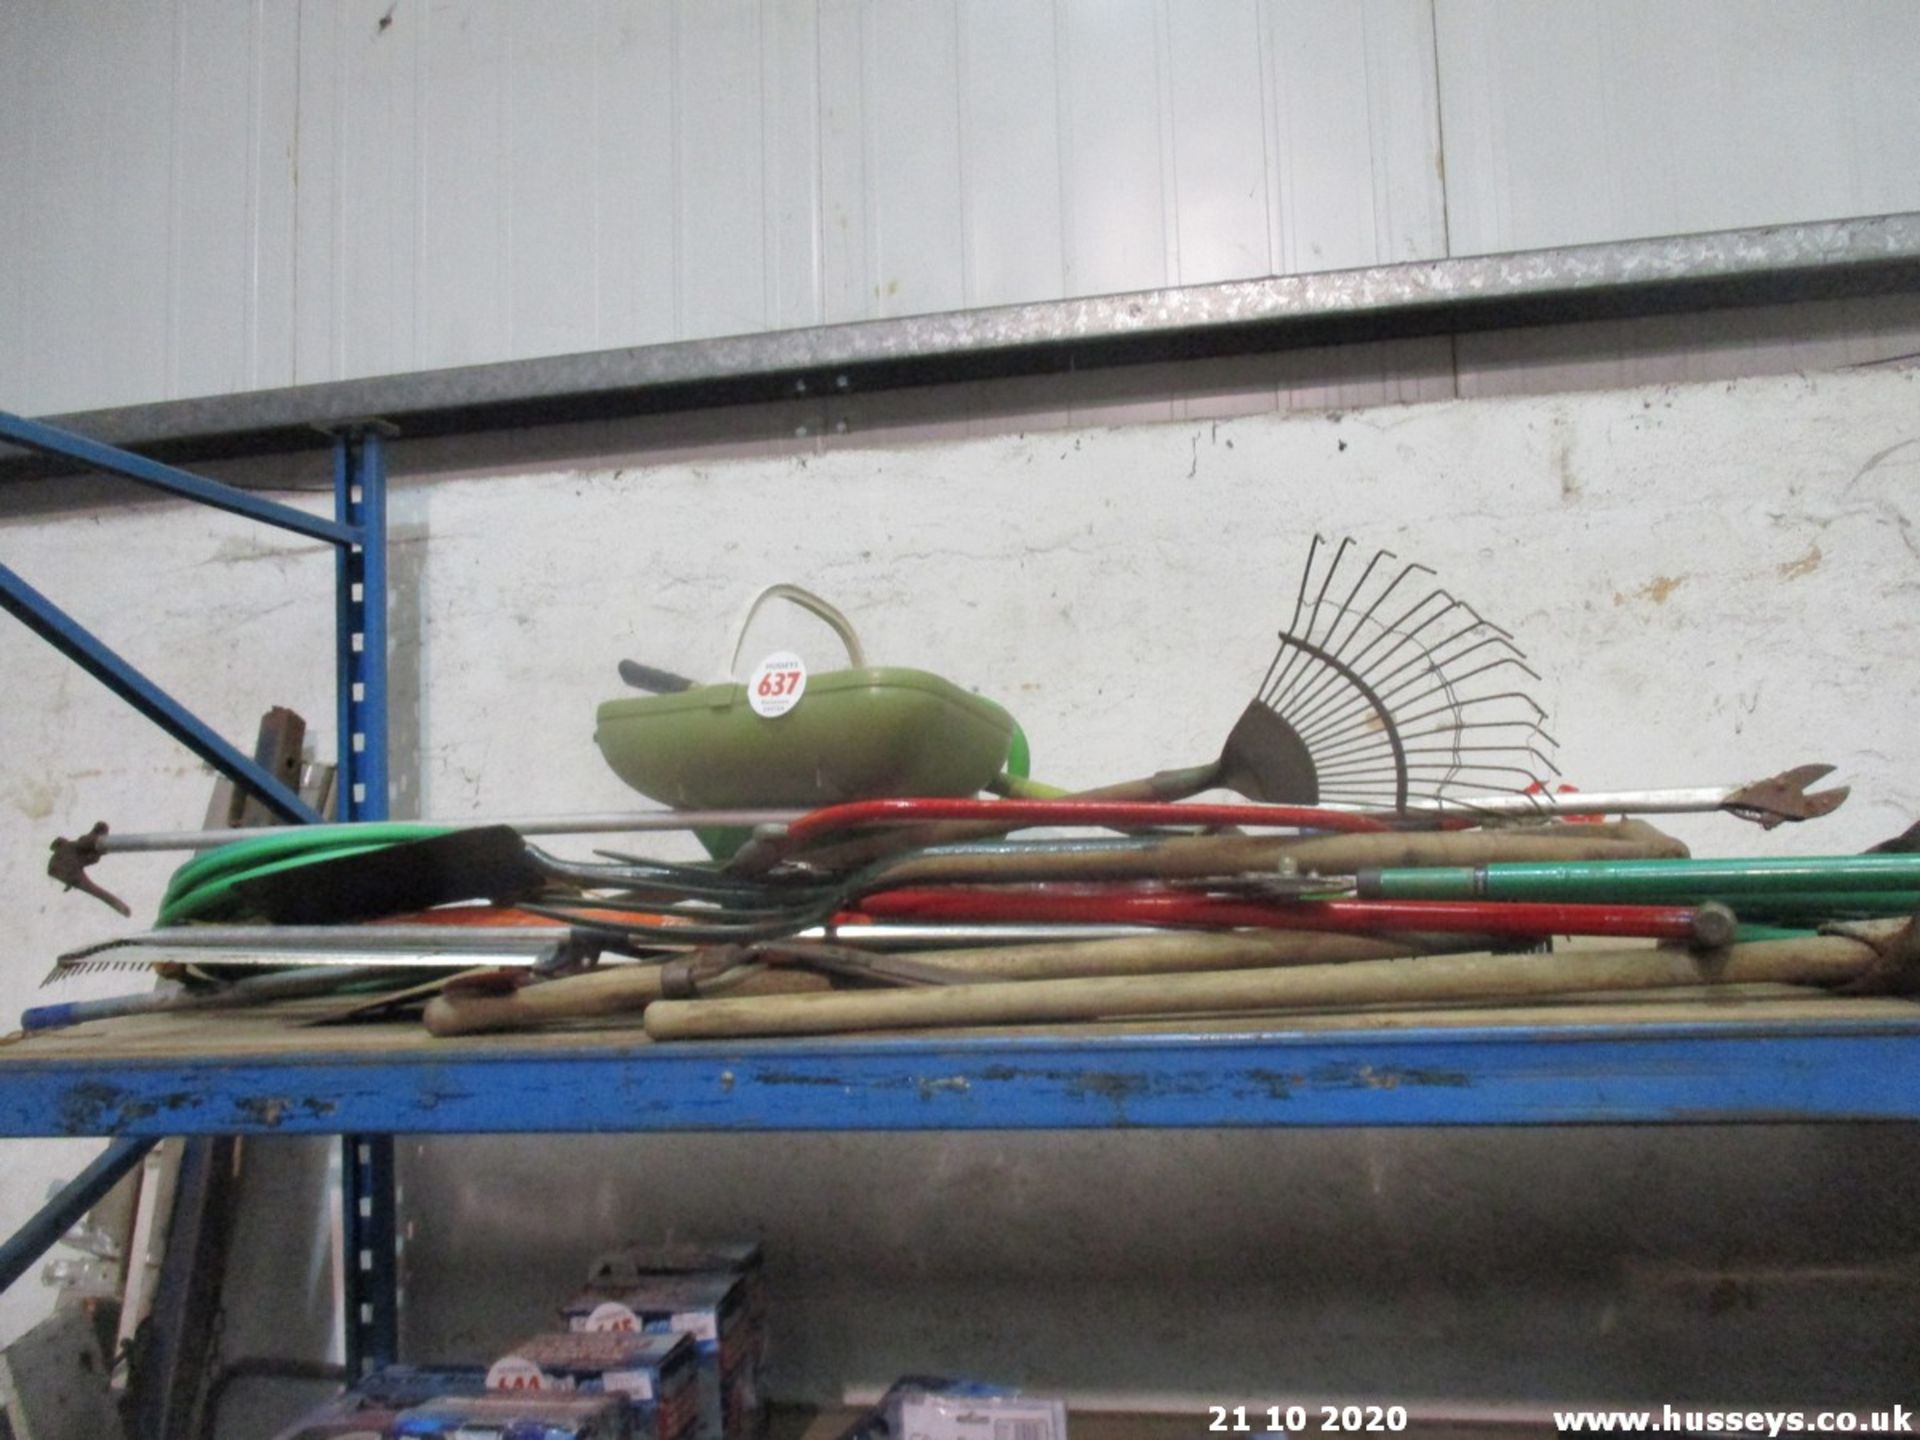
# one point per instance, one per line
(658, 682)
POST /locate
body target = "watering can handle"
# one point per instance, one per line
(806, 600)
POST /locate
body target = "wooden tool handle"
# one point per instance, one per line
(1174, 952)
(1631, 840)
(1185, 856)
(1438, 978)
(615, 990)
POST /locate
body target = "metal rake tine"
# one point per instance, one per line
(1311, 633)
(1438, 659)
(1467, 779)
(1306, 574)
(1313, 615)
(1394, 627)
(1366, 795)
(1299, 599)
(1353, 663)
(1489, 787)
(1434, 659)
(1532, 726)
(1412, 567)
(1544, 759)
(1366, 742)
(1533, 792)
(1446, 788)
(1375, 745)
(1292, 626)
(1385, 796)
(1475, 778)
(1398, 626)
(1454, 682)
(1370, 672)
(1365, 615)
(1452, 727)
(1482, 769)
(1333, 569)
(1452, 750)
(1333, 744)
(1346, 606)
(1458, 706)
(1333, 647)
(1439, 662)
(1480, 619)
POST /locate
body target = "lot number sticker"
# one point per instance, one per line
(777, 683)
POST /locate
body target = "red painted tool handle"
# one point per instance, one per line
(1074, 812)
(1113, 906)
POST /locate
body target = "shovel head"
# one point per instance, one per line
(488, 863)
(1266, 761)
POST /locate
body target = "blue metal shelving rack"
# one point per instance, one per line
(358, 533)
(1857, 1060)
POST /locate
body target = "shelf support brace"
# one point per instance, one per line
(67, 445)
(63, 1211)
(85, 649)
(345, 532)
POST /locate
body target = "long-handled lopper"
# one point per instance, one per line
(1777, 800)
(1705, 925)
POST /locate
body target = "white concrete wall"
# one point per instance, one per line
(1716, 581)
(215, 195)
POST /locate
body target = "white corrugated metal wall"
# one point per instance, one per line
(213, 195)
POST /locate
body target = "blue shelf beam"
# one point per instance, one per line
(1861, 1069)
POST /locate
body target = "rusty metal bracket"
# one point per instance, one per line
(1785, 797)
(71, 859)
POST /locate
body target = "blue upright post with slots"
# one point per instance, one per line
(360, 609)
(366, 1161)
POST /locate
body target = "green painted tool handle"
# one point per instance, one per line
(1649, 881)
(1825, 904)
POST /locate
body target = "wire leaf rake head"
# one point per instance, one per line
(1388, 692)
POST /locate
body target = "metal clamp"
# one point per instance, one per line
(71, 859)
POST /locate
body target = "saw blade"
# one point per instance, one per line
(146, 957)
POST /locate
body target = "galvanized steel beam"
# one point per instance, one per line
(1768, 265)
